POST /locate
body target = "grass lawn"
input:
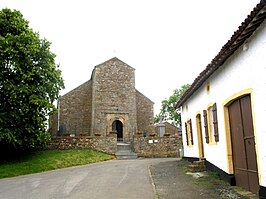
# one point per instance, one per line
(49, 160)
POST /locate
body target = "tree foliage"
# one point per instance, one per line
(168, 108)
(30, 82)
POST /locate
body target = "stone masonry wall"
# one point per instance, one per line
(114, 94)
(149, 147)
(144, 114)
(155, 147)
(104, 144)
(75, 111)
(169, 129)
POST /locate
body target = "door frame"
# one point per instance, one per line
(226, 104)
(199, 134)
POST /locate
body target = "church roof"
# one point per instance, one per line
(137, 91)
(113, 59)
(110, 60)
(245, 30)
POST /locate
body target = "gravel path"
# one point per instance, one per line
(172, 182)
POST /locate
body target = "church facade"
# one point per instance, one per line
(107, 103)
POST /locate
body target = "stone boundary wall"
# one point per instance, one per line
(149, 147)
(157, 147)
(104, 144)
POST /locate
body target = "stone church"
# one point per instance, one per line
(107, 103)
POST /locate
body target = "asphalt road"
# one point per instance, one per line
(117, 179)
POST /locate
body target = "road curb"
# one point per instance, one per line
(156, 196)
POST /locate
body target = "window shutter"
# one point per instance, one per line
(206, 126)
(186, 133)
(215, 123)
(191, 134)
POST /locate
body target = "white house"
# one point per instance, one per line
(224, 110)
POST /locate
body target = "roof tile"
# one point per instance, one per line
(245, 30)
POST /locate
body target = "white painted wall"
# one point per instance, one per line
(244, 69)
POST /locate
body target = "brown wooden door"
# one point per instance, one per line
(243, 144)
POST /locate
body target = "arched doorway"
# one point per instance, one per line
(117, 126)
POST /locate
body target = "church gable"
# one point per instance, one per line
(112, 62)
(113, 75)
(114, 96)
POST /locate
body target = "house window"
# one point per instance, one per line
(189, 133)
(211, 124)
(187, 138)
(206, 126)
(215, 123)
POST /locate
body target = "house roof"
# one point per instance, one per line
(245, 30)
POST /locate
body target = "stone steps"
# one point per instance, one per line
(197, 166)
(123, 146)
(124, 152)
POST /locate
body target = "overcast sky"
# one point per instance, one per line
(168, 42)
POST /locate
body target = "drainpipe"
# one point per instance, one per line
(58, 115)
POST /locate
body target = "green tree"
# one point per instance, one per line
(30, 82)
(168, 108)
